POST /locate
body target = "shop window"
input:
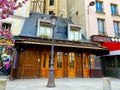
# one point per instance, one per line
(118, 58)
(59, 59)
(111, 62)
(95, 62)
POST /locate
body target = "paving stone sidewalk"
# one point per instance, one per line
(61, 84)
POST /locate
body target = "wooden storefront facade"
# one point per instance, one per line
(71, 59)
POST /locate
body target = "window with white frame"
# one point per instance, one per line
(101, 26)
(45, 29)
(116, 28)
(74, 33)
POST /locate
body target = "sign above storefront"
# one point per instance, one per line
(100, 38)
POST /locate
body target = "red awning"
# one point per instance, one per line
(112, 46)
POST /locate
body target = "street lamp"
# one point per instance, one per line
(92, 3)
(51, 82)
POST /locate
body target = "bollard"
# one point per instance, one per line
(106, 84)
(3, 84)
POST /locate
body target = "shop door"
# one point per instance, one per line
(85, 65)
(58, 64)
(45, 62)
(29, 65)
(71, 65)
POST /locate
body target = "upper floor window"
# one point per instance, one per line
(114, 9)
(51, 2)
(101, 28)
(99, 6)
(51, 12)
(116, 28)
(6, 26)
(44, 29)
(74, 33)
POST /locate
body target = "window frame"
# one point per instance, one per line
(112, 11)
(51, 2)
(101, 30)
(99, 8)
(72, 29)
(117, 32)
(46, 24)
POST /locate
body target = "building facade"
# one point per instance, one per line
(72, 55)
(59, 7)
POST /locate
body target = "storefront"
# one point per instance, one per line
(111, 62)
(71, 59)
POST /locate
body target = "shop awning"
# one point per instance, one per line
(84, 46)
(112, 46)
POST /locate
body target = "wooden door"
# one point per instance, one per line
(45, 62)
(85, 65)
(79, 66)
(71, 65)
(29, 65)
(58, 64)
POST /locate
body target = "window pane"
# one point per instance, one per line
(6, 26)
(99, 7)
(71, 34)
(71, 60)
(114, 9)
(51, 2)
(118, 58)
(111, 62)
(116, 28)
(101, 26)
(59, 59)
(45, 31)
(76, 35)
(44, 60)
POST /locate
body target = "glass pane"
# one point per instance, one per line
(51, 2)
(71, 60)
(84, 61)
(48, 31)
(44, 60)
(118, 58)
(76, 35)
(111, 62)
(71, 34)
(59, 59)
(95, 62)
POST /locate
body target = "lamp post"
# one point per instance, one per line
(51, 82)
(92, 3)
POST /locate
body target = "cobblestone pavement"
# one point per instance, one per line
(61, 84)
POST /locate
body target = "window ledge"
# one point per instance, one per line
(115, 15)
(100, 12)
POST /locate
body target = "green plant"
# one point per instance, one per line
(45, 36)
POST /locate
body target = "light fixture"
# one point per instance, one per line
(51, 82)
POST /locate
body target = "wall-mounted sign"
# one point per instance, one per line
(99, 38)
